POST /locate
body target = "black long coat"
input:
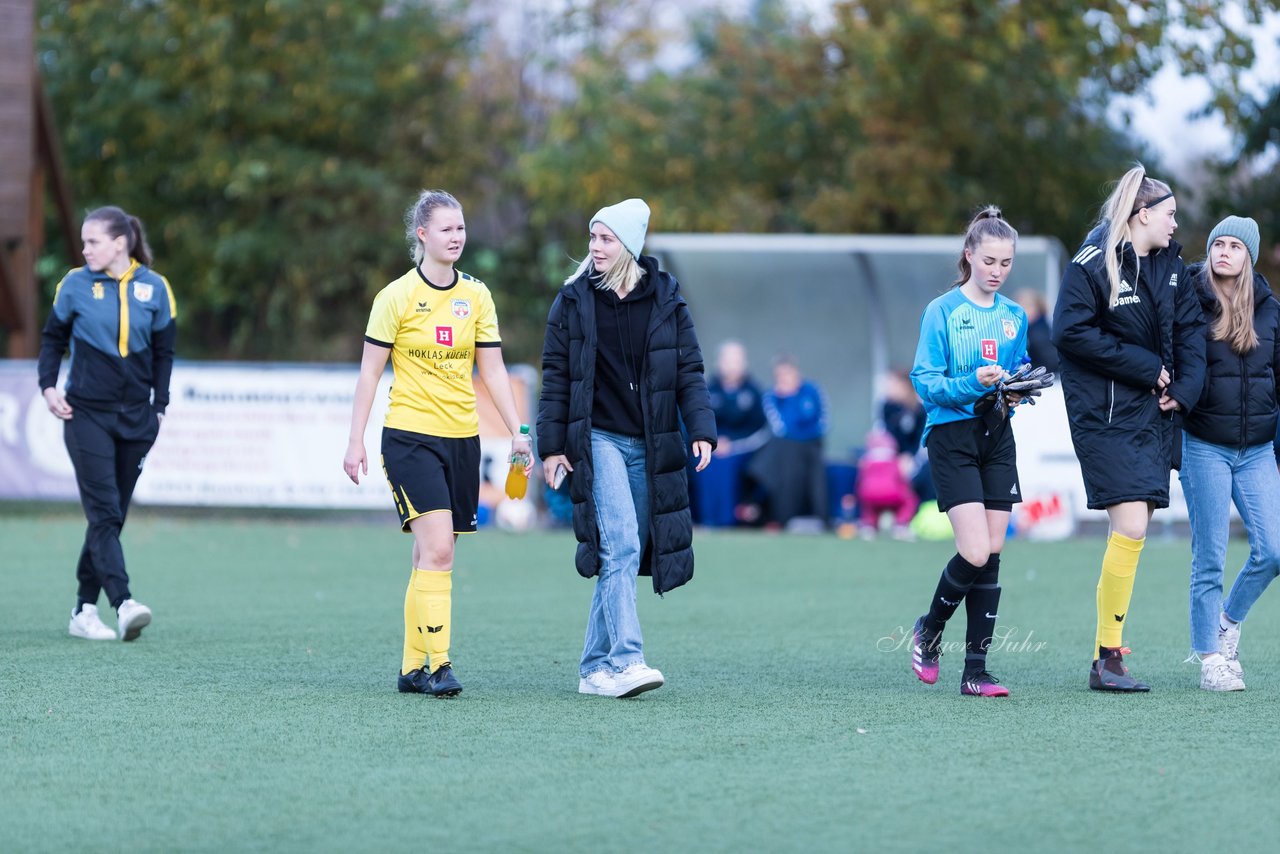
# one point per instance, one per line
(1238, 405)
(1110, 361)
(673, 387)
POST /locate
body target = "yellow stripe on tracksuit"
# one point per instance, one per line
(124, 308)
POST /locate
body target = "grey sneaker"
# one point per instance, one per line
(1216, 674)
(88, 625)
(1229, 643)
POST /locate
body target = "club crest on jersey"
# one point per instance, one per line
(990, 349)
(98, 291)
(444, 336)
(462, 308)
(142, 292)
(1010, 329)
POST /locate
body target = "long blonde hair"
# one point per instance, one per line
(623, 274)
(1234, 323)
(1133, 192)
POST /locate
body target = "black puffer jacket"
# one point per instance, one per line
(1110, 362)
(673, 387)
(1238, 405)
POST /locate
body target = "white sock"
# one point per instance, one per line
(1226, 622)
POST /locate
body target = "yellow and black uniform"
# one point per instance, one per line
(430, 439)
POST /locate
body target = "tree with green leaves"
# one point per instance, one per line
(270, 147)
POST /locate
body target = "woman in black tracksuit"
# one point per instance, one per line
(1130, 335)
(117, 316)
(621, 368)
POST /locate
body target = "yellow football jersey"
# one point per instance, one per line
(433, 334)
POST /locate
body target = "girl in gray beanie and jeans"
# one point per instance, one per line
(1227, 455)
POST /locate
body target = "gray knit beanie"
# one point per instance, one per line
(629, 221)
(1242, 228)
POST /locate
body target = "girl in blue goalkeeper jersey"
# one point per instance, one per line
(970, 337)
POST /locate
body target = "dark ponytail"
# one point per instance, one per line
(117, 223)
(138, 246)
(988, 223)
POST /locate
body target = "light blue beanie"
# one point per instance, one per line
(1242, 228)
(629, 220)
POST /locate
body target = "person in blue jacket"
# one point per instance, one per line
(117, 316)
(1228, 455)
(1131, 342)
(790, 467)
(970, 337)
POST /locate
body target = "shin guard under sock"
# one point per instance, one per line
(415, 647)
(982, 607)
(955, 582)
(1115, 587)
(433, 593)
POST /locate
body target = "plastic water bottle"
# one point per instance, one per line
(517, 483)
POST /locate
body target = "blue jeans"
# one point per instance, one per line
(1211, 474)
(621, 493)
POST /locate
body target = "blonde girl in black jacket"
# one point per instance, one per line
(1130, 335)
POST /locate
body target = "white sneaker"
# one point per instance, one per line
(1229, 643)
(636, 679)
(131, 618)
(88, 625)
(599, 682)
(1216, 674)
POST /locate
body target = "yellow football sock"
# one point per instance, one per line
(432, 590)
(415, 648)
(1119, 565)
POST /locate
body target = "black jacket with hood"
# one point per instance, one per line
(1237, 407)
(672, 387)
(1111, 359)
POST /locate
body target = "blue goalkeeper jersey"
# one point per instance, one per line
(957, 337)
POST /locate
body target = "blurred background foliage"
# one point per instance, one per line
(272, 147)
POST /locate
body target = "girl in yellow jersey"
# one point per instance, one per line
(434, 323)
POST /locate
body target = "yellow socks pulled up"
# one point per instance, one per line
(1115, 587)
(415, 648)
(433, 598)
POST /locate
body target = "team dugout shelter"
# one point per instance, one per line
(847, 307)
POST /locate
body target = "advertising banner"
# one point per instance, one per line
(238, 435)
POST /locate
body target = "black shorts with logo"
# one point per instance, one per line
(971, 464)
(431, 474)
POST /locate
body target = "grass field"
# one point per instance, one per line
(259, 711)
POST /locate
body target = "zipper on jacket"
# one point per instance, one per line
(1111, 399)
(1244, 405)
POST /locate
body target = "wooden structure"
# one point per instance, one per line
(30, 164)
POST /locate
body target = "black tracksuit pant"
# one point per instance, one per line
(107, 449)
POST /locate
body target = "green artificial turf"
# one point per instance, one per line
(258, 711)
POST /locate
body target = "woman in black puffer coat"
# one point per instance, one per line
(1130, 339)
(1228, 452)
(621, 367)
